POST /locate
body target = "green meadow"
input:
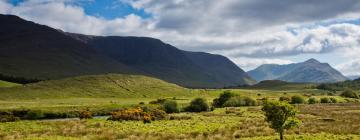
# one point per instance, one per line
(102, 94)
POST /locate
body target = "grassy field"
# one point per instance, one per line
(320, 121)
(105, 93)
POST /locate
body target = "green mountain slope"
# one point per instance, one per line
(109, 85)
(36, 51)
(7, 84)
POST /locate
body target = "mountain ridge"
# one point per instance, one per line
(310, 71)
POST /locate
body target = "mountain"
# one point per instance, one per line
(36, 51)
(32, 51)
(163, 61)
(104, 86)
(310, 71)
(353, 77)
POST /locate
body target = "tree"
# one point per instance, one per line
(197, 105)
(280, 116)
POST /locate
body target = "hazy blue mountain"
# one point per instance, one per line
(161, 60)
(309, 71)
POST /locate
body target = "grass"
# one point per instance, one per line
(104, 93)
(5, 84)
(246, 123)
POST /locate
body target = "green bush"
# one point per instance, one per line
(333, 100)
(158, 101)
(349, 94)
(197, 105)
(170, 106)
(239, 101)
(225, 96)
(297, 99)
(34, 115)
(285, 98)
(312, 100)
(325, 100)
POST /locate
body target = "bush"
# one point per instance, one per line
(170, 106)
(157, 114)
(349, 94)
(85, 114)
(297, 99)
(137, 114)
(325, 100)
(8, 117)
(182, 117)
(197, 105)
(312, 100)
(225, 96)
(34, 115)
(239, 101)
(285, 98)
(333, 100)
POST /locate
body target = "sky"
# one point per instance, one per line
(249, 32)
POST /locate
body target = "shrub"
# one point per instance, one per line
(8, 117)
(137, 114)
(349, 94)
(239, 101)
(297, 99)
(197, 105)
(325, 100)
(312, 100)
(170, 106)
(34, 114)
(225, 96)
(333, 100)
(85, 114)
(157, 114)
(285, 98)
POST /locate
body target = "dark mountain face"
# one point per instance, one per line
(309, 71)
(190, 69)
(36, 51)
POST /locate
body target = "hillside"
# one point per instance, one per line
(106, 86)
(166, 62)
(310, 71)
(7, 84)
(35, 51)
(32, 51)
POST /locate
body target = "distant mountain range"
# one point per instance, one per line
(310, 71)
(36, 51)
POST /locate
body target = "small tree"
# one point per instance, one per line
(281, 116)
(325, 100)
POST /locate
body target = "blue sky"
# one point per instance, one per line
(249, 32)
